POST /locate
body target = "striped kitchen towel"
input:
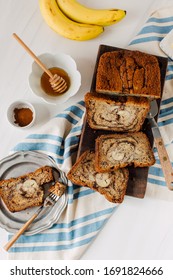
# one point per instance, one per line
(148, 40)
(86, 210)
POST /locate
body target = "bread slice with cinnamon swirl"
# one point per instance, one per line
(114, 151)
(110, 184)
(120, 114)
(25, 191)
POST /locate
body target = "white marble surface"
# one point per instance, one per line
(139, 229)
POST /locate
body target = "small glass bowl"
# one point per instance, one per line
(59, 60)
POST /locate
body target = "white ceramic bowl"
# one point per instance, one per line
(19, 104)
(60, 60)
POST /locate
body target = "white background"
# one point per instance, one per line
(139, 229)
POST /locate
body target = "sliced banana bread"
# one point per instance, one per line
(58, 189)
(119, 114)
(115, 151)
(110, 184)
(25, 191)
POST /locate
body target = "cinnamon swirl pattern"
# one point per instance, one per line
(121, 114)
(110, 184)
(25, 191)
(115, 151)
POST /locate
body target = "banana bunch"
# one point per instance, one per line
(75, 21)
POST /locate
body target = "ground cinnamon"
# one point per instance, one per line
(23, 116)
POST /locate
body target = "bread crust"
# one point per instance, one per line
(129, 72)
(118, 113)
(112, 185)
(116, 151)
(18, 195)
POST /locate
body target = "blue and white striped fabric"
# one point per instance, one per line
(87, 211)
(156, 28)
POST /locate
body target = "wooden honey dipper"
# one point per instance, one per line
(58, 84)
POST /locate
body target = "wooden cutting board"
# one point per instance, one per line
(137, 176)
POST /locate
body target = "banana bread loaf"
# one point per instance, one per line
(110, 184)
(25, 191)
(121, 113)
(115, 151)
(129, 72)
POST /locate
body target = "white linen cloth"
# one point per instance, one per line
(88, 211)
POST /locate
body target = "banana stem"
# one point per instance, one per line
(37, 60)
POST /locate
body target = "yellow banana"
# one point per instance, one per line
(64, 26)
(80, 13)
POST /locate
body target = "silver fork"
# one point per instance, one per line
(50, 200)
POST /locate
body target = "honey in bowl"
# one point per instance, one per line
(45, 83)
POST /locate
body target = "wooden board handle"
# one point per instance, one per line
(165, 162)
(20, 231)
